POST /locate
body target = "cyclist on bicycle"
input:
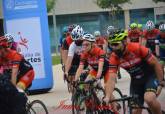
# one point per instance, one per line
(66, 43)
(134, 34)
(73, 58)
(160, 45)
(100, 41)
(143, 68)
(150, 35)
(64, 34)
(14, 64)
(95, 57)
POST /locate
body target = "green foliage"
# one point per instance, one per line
(56, 60)
(50, 4)
(111, 4)
(156, 1)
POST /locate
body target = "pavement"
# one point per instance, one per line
(58, 100)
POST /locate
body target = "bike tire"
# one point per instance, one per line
(76, 104)
(32, 107)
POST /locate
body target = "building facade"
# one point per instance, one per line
(91, 17)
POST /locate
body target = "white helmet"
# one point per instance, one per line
(110, 30)
(9, 37)
(162, 27)
(77, 33)
(150, 25)
(89, 37)
(97, 33)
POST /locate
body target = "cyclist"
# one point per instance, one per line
(143, 68)
(62, 39)
(66, 43)
(100, 41)
(150, 35)
(134, 34)
(11, 43)
(73, 58)
(160, 45)
(14, 64)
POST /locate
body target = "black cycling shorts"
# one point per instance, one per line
(150, 85)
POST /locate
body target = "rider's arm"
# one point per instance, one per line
(70, 57)
(110, 84)
(100, 66)
(152, 60)
(65, 52)
(157, 67)
(14, 75)
(157, 46)
(79, 71)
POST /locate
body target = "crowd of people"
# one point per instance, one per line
(139, 51)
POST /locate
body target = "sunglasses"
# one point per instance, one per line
(115, 44)
(85, 44)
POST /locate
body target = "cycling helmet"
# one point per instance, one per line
(140, 26)
(162, 27)
(111, 30)
(118, 37)
(133, 25)
(89, 37)
(150, 25)
(64, 30)
(9, 37)
(97, 33)
(77, 33)
(71, 27)
(3, 42)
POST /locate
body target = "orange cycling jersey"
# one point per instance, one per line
(14, 60)
(134, 61)
(150, 36)
(93, 58)
(134, 36)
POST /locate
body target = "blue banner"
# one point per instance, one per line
(27, 21)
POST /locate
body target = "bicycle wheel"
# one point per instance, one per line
(76, 106)
(36, 107)
(120, 105)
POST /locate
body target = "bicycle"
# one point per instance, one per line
(86, 99)
(131, 101)
(36, 107)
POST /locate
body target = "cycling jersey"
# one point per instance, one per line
(135, 61)
(14, 60)
(134, 36)
(150, 36)
(93, 58)
(67, 42)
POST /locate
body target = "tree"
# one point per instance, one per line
(156, 1)
(111, 4)
(50, 4)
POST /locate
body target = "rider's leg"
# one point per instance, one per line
(150, 99)
(150, 95)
